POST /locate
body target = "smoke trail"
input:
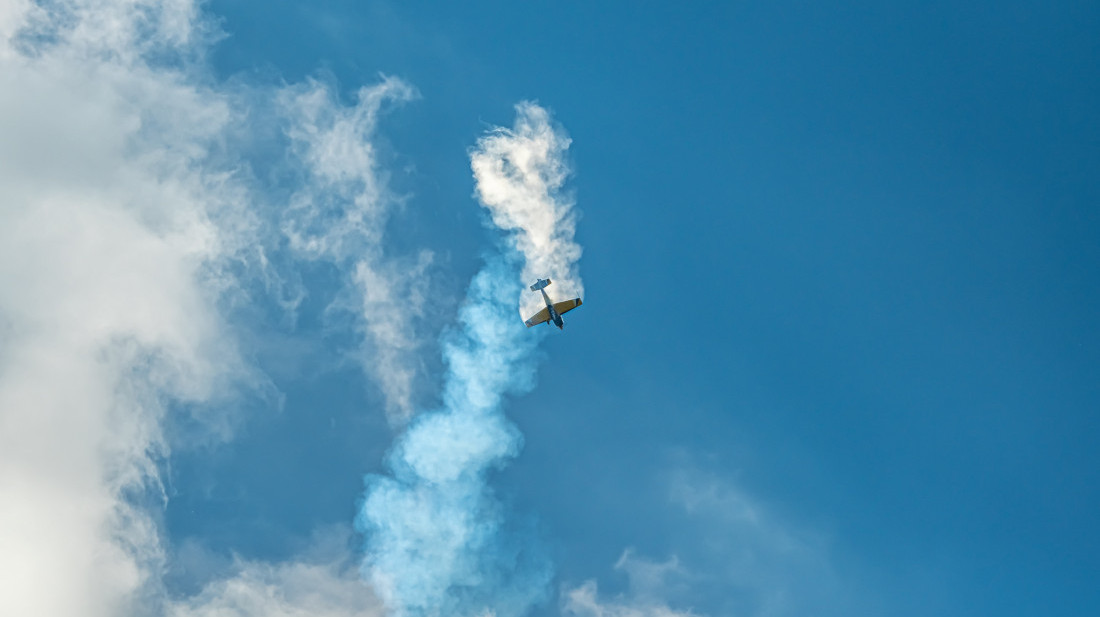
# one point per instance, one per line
(520, 173)
(435, 544)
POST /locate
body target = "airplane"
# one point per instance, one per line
(554, 310)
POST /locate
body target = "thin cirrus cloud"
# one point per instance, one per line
(645, 596)
(776, 566)
(338, 214)
(734, 555)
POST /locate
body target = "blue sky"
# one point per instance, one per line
(838, 353)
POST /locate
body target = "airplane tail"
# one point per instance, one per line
(540, 284)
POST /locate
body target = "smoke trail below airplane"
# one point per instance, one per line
(435, 533)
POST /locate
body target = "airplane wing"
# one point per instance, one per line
(565, 306)
(539, 317)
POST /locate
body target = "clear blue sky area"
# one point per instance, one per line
(840, 338)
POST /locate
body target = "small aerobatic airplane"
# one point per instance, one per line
(554, 310)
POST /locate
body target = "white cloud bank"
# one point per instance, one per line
(115, 227)
(125, 221)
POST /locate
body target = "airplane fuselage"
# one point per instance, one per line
(555, 318)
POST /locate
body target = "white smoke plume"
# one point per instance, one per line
(520, 173)
(436, 539)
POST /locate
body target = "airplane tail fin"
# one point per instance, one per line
(539, 284)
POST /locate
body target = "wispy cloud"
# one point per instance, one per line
(322, 580)
(765, 563)
(304, 588)
(645, 597)
(733, 555)
(341, 208)
(339, 214)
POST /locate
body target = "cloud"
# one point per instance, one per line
(293, 589)
(520, 174)
(645, 596)
(131, 231)
(760, 562)
(339, 214)
(733, 555)
(118, 222)
(321, 580)
(341, 208)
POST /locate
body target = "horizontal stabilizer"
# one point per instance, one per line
(540, 284)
